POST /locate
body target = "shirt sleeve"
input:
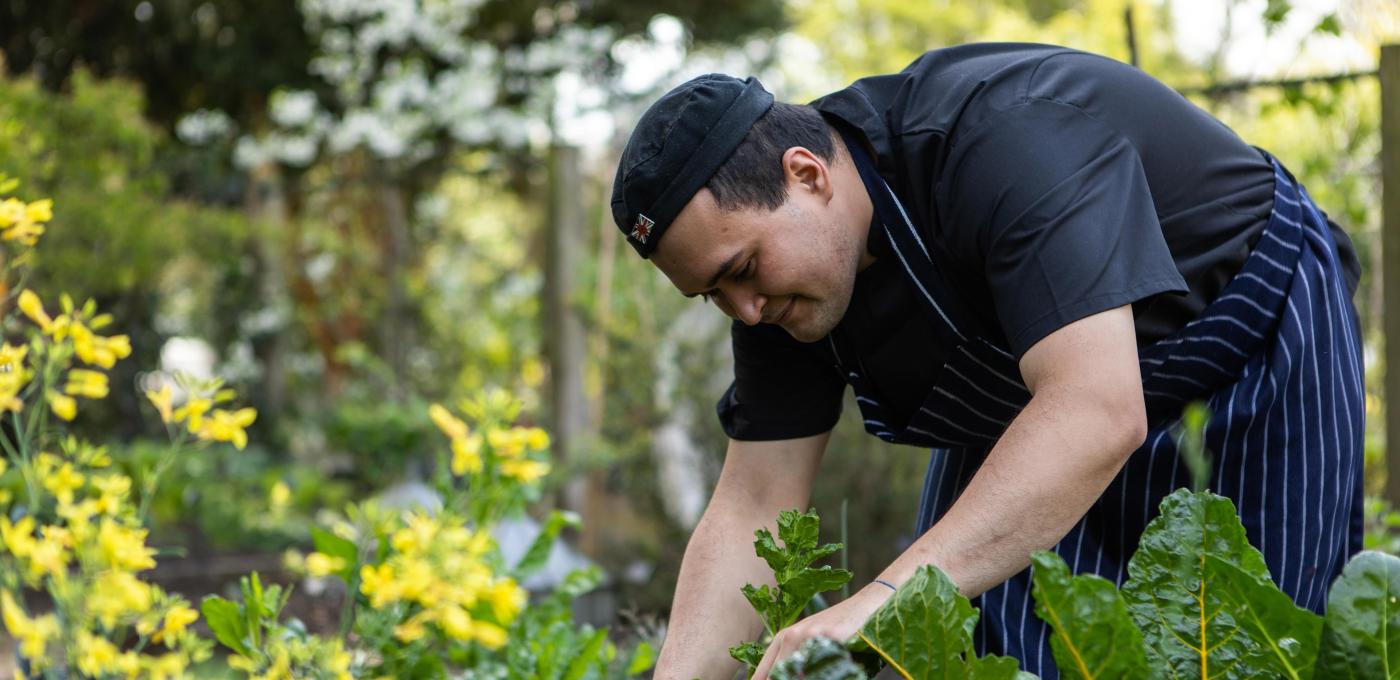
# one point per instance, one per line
(1056, 208)
(782, 389)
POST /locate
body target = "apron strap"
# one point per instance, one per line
(951, 320)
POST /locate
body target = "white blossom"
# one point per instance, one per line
(292, 108)
(203, 126)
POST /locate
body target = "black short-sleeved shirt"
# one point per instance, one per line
(1053, 184)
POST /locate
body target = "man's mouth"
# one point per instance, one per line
(783, 315)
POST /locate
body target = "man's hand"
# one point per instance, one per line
(709, 613)
(839, 622)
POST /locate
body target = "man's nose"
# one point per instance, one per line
(747, 304)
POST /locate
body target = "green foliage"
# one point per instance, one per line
(1095, 637)
(1203, 597)
(251, 628)
(546, 643)
(925, 631)
(791, 563)
(797, 580)
(1191, 441)
(1361, 635)
(1199, 603)
(91, 150)
(538, 553)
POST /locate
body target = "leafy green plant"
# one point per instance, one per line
(1198, 603)
(797, 581)
(925, 631)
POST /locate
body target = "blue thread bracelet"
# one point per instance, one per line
(886, 584)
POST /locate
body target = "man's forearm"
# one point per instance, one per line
(709, 613)
(1049, 467)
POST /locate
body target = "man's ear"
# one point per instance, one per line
(806, 171)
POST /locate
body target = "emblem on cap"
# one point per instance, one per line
(642, 229)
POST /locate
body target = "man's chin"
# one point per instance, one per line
(808, 330)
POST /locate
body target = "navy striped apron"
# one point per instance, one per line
(1277, 357)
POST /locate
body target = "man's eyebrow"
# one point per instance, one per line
(719, 273)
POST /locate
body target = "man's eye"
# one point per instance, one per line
(746, 272)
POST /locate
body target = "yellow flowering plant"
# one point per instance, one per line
(73, 541)
(428, 592)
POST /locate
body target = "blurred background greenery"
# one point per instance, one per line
(352, 208)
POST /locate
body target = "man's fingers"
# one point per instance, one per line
(775, 652)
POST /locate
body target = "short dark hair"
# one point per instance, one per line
(753, 175)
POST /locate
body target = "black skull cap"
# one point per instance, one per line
(678, 144)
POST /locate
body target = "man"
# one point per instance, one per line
(1029, 259)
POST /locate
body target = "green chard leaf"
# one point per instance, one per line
(819, 659)
(797, 581)
(924, 631)
(1205, 603)
(750, 654)
(1094, 635)
(1361, 635)
(1288, 632)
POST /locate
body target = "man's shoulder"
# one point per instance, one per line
(942, 89)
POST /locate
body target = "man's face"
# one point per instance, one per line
(794, 266)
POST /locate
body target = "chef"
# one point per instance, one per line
(1027, 259)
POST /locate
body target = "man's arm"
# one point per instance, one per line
(1086, 416)
(708, 613)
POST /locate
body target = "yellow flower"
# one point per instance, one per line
(176, 620)
(227, 426)
(411, 630)
(18, 537)
(526, 471)
(62, 405)
(466, 455)
(192, 413)
(490, 635)
(11, 357)
(11, 211)
(166, 667)
(379, 585)
(50, 555)
(63, 482)
(33, 634)
(13, 375)
(537, 439)
(448, 423)
(118, 595)
(21, 222)
(506, 443)
(96, 656)
(112, 490)
(34, 309)
(163, 400)
(321, 564)
(507, 599)
(79, 517)
(280, 497)
(4, 465)
(39, 211)
(85, 383)
(123, 548)
(96, 350)
(455, 622)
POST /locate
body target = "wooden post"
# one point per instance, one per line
(1132, 35)
(563, 326)
(1390, 253)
